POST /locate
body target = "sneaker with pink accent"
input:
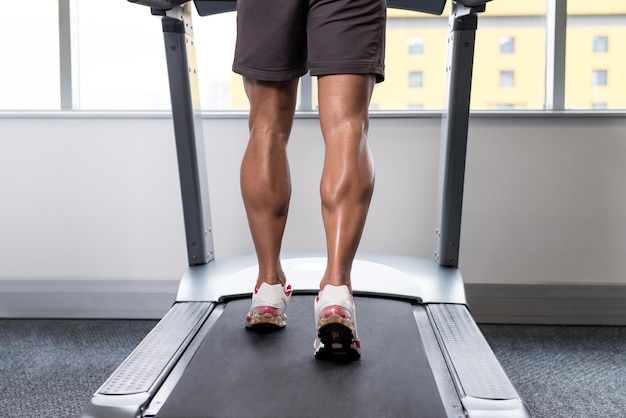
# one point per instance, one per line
(335, 322)
(269, 303)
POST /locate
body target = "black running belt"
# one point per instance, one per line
(240, 373)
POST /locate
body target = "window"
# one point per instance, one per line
(588, 53)
(30, 74)
(416, 46)
(507, 78)
(600, 44)
(507, 44)
(511, 36)
(415, 106)
(124, 69)
(416, 79)
(599, 78)
(598, 105)
(119, 69)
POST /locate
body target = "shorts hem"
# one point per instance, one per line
(350, 68)
(269, 75)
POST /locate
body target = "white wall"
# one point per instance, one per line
(96, 197)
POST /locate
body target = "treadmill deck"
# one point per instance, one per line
(238, 372)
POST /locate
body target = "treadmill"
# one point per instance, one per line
(423, 354)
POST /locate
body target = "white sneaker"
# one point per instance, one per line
(336, 325)
(269, 303)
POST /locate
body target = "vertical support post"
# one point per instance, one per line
(556, 34)
(455, 120)
(65, 54)
(184, 91)
(306, 93)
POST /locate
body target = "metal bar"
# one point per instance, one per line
(454, 126)
(483, 385)
(306, 93)
(556, 31)
(186, 112)
(65, 54)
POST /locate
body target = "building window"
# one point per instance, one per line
(507, 44)
(598, 105)
(416, 46)
(600, 44)
(599, 77)
(507, 78)
(416, 79)
(416, 106)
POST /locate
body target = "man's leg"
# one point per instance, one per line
(348, 176)
(346, 190)
(265, 180)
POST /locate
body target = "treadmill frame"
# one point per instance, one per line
(469, 377)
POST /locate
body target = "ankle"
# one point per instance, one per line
(329, 282)
(271, 280)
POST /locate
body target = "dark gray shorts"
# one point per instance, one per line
(279, 40)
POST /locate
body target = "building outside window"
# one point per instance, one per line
(590, 28)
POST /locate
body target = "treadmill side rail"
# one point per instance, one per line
(115, 406)
(483, 386)
(494, 408)
(138, 378)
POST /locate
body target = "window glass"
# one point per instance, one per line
(121, 59)
(509, 37)
(220, 88)
(595, 51)
(30, 74)
(421, 64)
(125, 68)
(510, 58)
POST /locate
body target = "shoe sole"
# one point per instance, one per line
(265, 323)
(337, 338)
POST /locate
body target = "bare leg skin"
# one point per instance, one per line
(348, 176)
(265, 178)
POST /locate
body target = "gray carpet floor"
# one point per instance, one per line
(50, 368)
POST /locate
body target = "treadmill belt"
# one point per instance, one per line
(240, 373)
